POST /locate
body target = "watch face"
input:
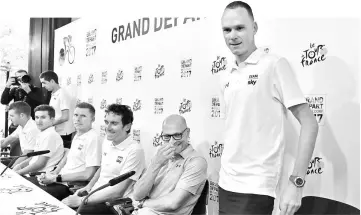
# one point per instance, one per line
(299, 181)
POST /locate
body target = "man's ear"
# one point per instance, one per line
(128, 127)
(255, 28)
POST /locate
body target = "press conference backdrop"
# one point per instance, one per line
(165, 65)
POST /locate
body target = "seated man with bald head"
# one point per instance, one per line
(176, 175)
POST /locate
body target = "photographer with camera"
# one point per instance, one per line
(19, 88)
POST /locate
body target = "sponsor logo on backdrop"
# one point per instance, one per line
(137, 105)
(16, 189)
(119, 101)
(104, 77)
(37, 208)
(90, 100)
(145, 25)
(103, 130)
(317, 103)
(78, 80)
(136, 135)
(219, 65)
(186, 68)
(138, 73)
(68, 81)
(90, 42)
(78, 101)
(120, 75)
(185, 106)
(316, 166)
(103, 104)
(213, 191)
(91, 78)
(216, 150)
(314, 54)
(158, 105)
(252, 79)
(216, 108)
(68, 52)
(159, 71)
(157, 140)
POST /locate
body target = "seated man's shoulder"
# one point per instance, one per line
(196, 159)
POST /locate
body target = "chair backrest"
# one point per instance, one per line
(200, 207)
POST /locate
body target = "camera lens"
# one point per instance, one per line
(25, 79)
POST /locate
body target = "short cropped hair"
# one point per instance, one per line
(86, 106)
(237, 4)
(48, 108)
(49, 75)
(122, 110)
(20, 107)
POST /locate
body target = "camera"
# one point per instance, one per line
(24, 79)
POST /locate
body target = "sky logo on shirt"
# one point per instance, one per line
(119, 159)
(80, 147)
(252, 79)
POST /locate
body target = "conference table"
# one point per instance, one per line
(19, 196)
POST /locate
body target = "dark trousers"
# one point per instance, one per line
(67, 140)
(231, 203)
(95, 209)
(59, 191)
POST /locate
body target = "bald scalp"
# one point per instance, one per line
(175, 120)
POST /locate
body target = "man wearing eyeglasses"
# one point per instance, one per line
(176, 175)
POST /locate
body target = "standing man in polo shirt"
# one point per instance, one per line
(120, 154)
(82, 160)
(48, 139)
(257, 90)
(26, 132)
(176, 175)
(63, 104)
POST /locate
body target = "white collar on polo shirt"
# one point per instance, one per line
(252, 59)
(125, 143)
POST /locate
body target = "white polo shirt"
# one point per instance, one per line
(27, 135)
(49, 139)
(122, 158)
(85, 151)
(61, 100)
(257, 94)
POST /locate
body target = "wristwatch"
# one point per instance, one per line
(297, 181)
(141, 202)
(58, 178)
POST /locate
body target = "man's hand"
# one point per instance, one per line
(86, 188)
(164, 153)
(290, 200)
(47, 178)
(25, 87)
(72, 201)
(10, 82)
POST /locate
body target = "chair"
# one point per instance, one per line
(126, 208)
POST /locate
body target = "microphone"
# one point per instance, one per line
(30, 154)
(111, 182)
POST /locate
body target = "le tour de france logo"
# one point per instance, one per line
(159, 71)
(120, 75)
(91, 78)
(216, 150)
(219, 65)
(103, 104)
(157, 140)
(137, 105)
(67, 53)
(68, 81)
(315, 53)
(185, 106)
(119, 101)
